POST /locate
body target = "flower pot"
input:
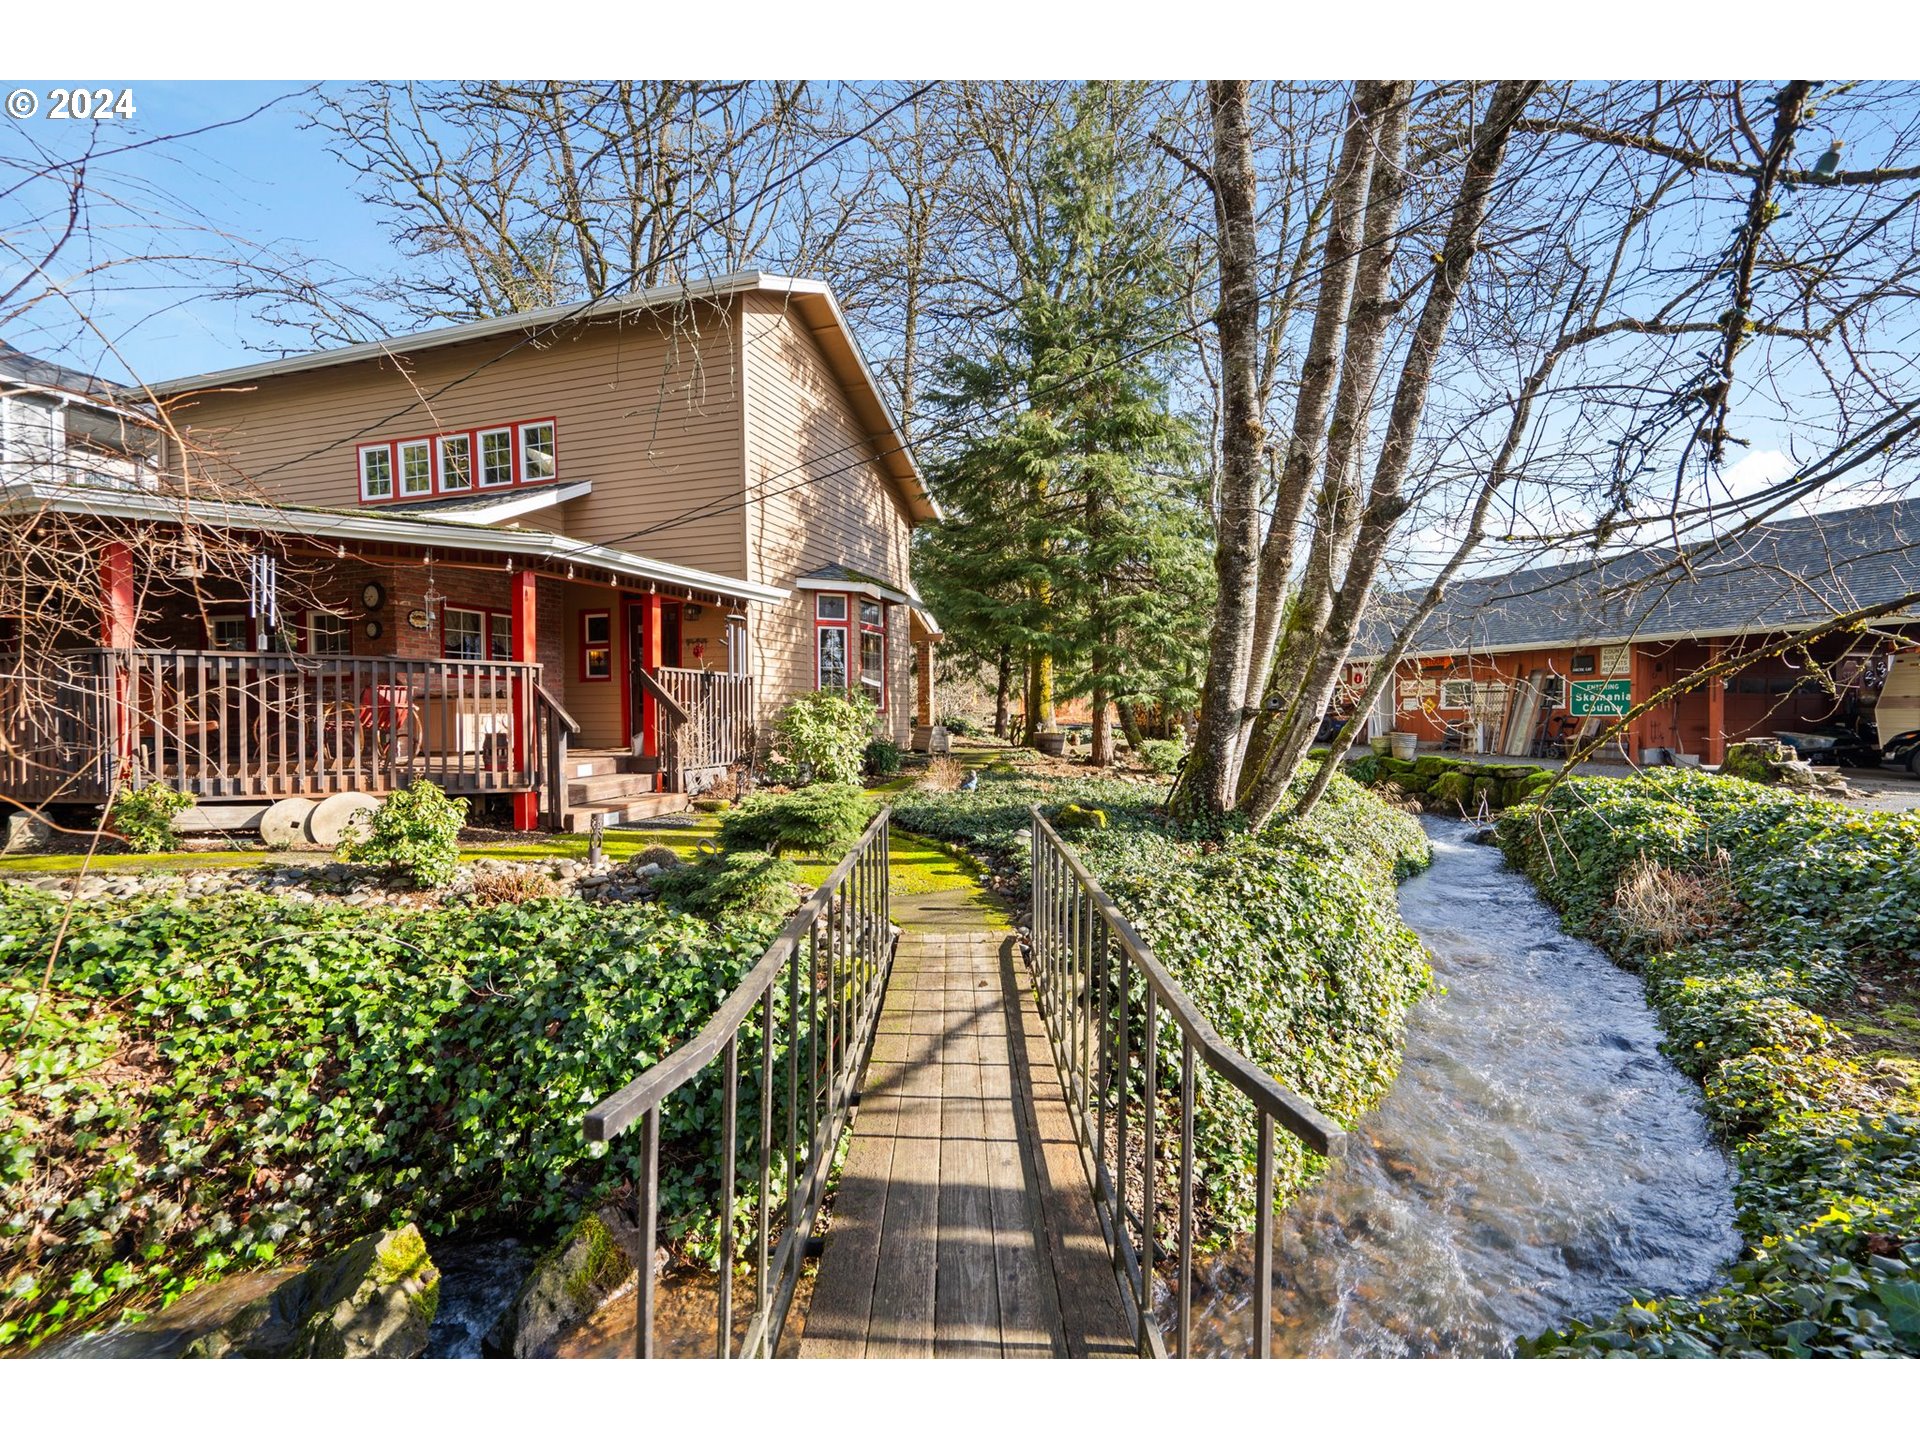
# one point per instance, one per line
(1404, 744)
(1051, 742)
(1380, 745)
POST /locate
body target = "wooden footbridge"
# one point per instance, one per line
(977, 1121)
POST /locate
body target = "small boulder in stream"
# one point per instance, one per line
(373, 1300)
(568, 1284)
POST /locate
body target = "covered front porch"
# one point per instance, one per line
(521, 669)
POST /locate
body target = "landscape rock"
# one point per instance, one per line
(1773, 762)
(27, 833)
(373, 1300)
(569, 1283)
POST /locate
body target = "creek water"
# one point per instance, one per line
(1536, 1158)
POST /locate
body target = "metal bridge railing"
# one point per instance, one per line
(816, 994)
(1105, 999)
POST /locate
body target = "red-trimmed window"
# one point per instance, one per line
(850, 645)
(829, 642)
(487, 457)
(873, 651)
(596, 645)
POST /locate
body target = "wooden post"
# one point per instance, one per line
(924, 707)
(525, 609)
(650, 655)
(117, 623)
(1716, 750)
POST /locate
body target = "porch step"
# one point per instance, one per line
(586, 764)
(635, 808)
(596, 789)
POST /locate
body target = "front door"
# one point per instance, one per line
(637, 698)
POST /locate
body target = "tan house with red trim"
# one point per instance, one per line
(628, 530)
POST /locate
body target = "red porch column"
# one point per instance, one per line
(651, 652)
(1716, 708)
(116, 596)
(117, 615)
(525, 610)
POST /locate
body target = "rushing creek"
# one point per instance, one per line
(1536, 1159)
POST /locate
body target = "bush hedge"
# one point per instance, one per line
(222, 1085)
(1289, 942)
(1761, 1009)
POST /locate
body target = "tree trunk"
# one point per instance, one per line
(1386, 504)
(1319, 374)
(1129, 724)
(1101, 747)
(1208, 788)
(1002, 691)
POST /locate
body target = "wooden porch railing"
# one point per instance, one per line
(718, 729)
(260, 725)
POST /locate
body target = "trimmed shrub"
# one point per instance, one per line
(1163, 757)
(143, 818)
(739, 885)
(820, 737)
(414, 832)
(820, 820)
(882, 759)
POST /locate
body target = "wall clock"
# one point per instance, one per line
(374, 595)
(373, 628)
(418, 619)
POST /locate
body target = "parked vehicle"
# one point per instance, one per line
(1896, 714)
(1838, 743)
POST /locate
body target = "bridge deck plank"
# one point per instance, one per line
(957, 1229)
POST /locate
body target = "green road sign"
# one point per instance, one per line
(1602, 697)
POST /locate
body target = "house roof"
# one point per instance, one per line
(30, 370)
(126, 502)
(1778, 576)
(812, 300)
(842, 577)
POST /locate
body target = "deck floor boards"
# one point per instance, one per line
(962, 1225)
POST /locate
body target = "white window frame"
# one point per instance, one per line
(1447, 689)
(366, 492)
(821, 610)
(344, 633)
(820, 681)
(401, 448)
(440, 459)
(447, 613)
(479, 459)
(527, 477)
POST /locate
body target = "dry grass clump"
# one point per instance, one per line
(513, 887)
(1659, 907)
(943, 772)
(660, 855)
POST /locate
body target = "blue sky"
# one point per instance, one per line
(268, 184)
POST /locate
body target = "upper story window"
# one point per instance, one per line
(456, 462)
(376, 472)
(488, 457)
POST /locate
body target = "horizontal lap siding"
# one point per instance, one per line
(646, 408)
(822, 499)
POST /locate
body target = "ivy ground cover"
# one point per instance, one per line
(195, 1089)
(1787, 994)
